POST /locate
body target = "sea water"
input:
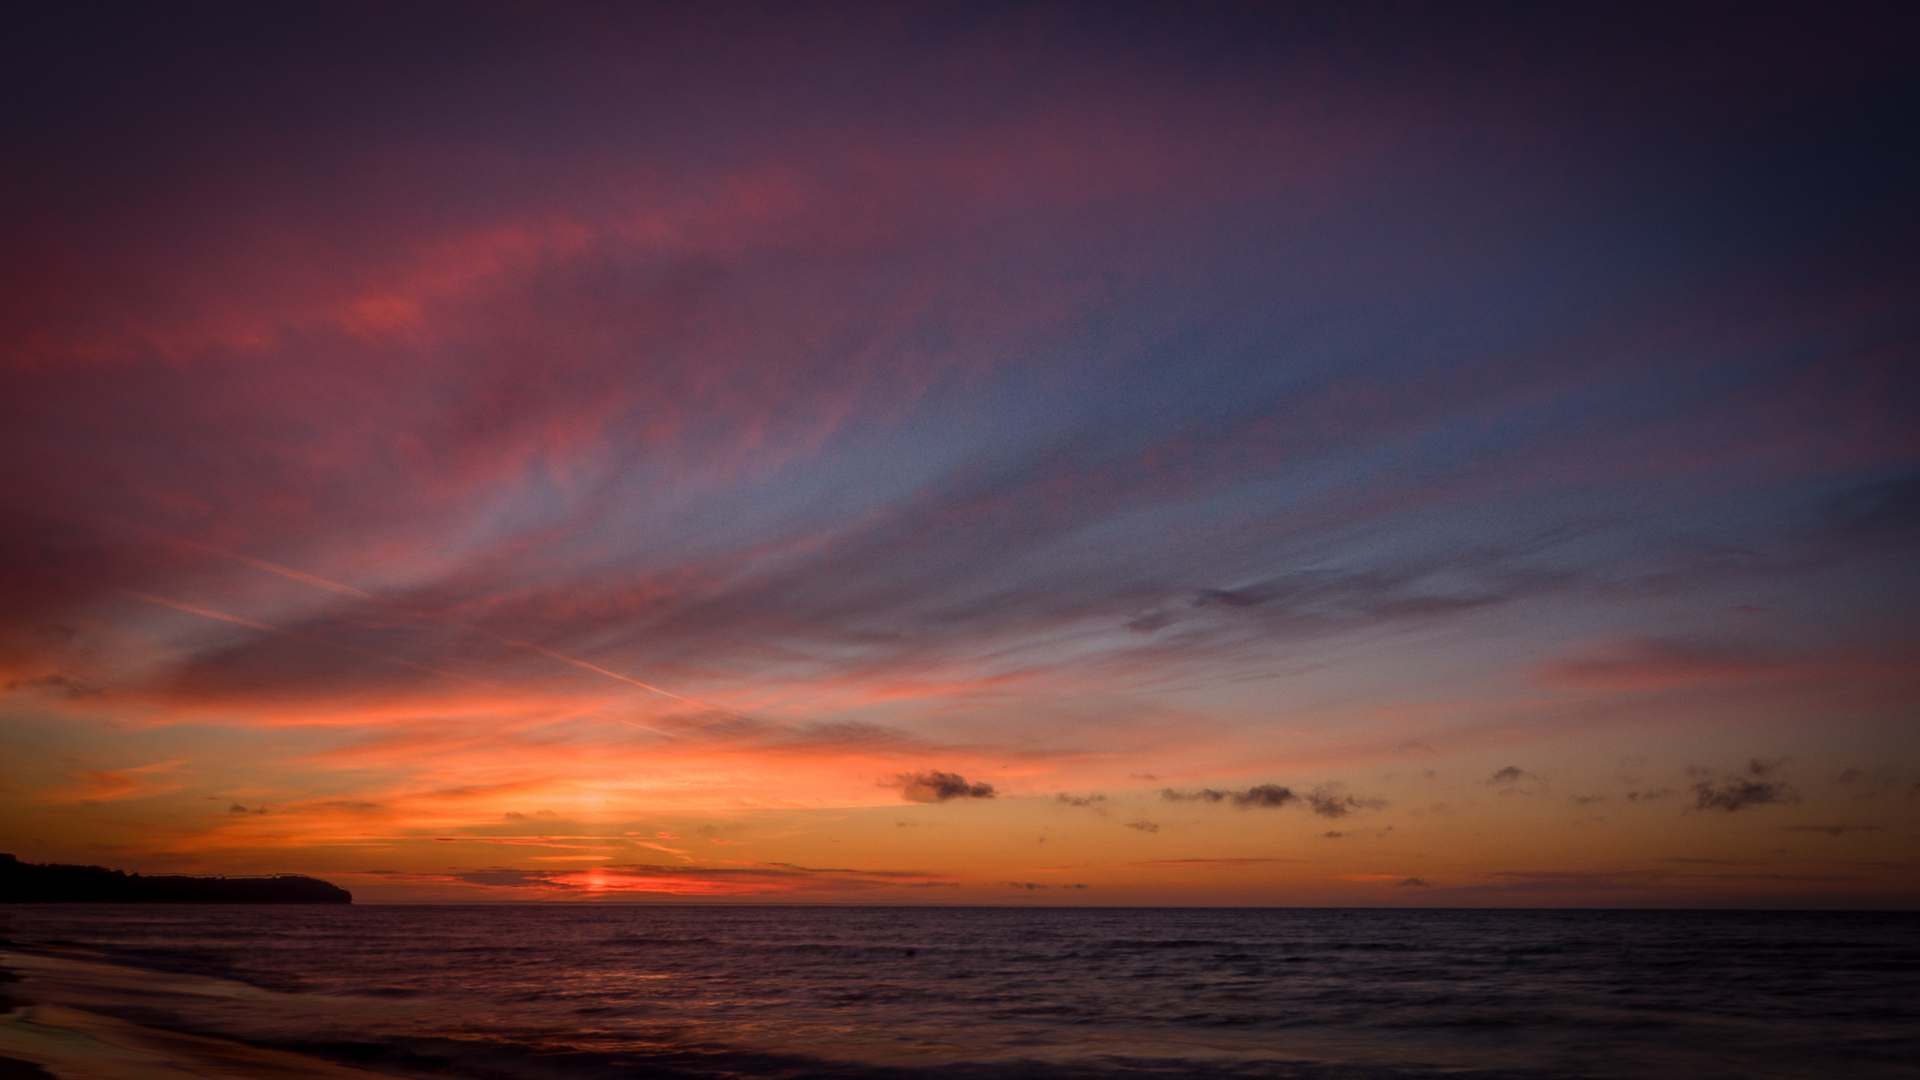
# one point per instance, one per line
(688, 991)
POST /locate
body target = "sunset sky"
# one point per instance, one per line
(964, 453)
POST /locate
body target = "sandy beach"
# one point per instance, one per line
(45, 1032)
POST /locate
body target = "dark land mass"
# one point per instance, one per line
(33, 883)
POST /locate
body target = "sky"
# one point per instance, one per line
(965, 453)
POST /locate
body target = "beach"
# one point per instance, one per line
(40, 1036)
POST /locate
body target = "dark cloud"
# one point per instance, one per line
(1202, 795)
(237, 808)
(1033, 886)
(348, 806)
(1255, 860)
(505, 878)
(1764, 766)
(1261, 796)
(1326, 800)
(1514, 780)
(936, 786)
(1265, 796)
(1635, 880)
(1413, 883)
(1151, 621)
(1885, 510)
(1832, 830)
(65, 685)
(1316, 601)
(1586, 800)
(1329, 801)
(1143, 825)
(1870, 783)
(1333, 834)
(1739, 794)
(1650, 795)
(777, 875)
(1079, 800)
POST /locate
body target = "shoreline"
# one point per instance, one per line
(42, 1037)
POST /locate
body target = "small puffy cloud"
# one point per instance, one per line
(1143, 825)
(936, 786)
(1329, 801)
(1079, 800)
(1514, 780)
(1264, 795)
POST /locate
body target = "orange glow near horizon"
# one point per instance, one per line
(1140, 478)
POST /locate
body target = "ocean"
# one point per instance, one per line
(686, 991)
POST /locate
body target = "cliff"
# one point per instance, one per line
(32, 883)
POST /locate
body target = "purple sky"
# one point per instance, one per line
(503, 452)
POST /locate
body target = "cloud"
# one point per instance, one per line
(1660, 663)
(1587, 800)
(1333, 834)
(113, 785)
(1080, 800)
(1413, 883)
(690, 880)
(1832, 830)
(1325, 800)
(1329, 801)
(1143, 825)
(1739, 794)
(1509, 774)
(1650, 795)
(1265, 796)
(1202, 795)
(65, 685)
(1885, 510)
(237, 808)
(1262, 796)
(936, 786)
(1250, 860)
(1150, 622)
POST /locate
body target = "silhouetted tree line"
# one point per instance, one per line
(34, 883)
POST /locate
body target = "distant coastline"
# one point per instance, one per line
(53, 883)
